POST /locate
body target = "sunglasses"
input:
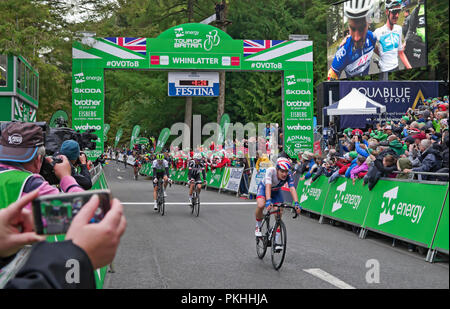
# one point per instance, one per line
(396, 11)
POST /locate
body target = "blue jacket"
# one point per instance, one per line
(347, 172)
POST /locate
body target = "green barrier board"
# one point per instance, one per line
(346, 201)
(214, 178)
(407, 210)
(441, 239)
(312, 195)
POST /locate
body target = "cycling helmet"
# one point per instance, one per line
(283, 164)
(159, 157)
(389, 4)
(355, 9)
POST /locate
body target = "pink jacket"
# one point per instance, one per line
(357, 169)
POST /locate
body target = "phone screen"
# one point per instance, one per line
(53, 214)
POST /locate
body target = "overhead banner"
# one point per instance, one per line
(397, 96)
(185, 47)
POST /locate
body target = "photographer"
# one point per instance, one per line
(22, 154)
(78, 163)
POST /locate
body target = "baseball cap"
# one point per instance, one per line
(19, 141)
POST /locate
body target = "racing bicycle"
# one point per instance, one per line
(160, 197)
(269, 239)
(195, 205)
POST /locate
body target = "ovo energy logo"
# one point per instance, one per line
(341, 199)
(410, 211)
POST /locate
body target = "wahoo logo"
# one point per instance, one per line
(338, 197)
(299, 127)
(411, 211)
(87, 127)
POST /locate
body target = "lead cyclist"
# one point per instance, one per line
(269, 192)
(160, 170)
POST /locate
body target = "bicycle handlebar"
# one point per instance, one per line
(283, 205)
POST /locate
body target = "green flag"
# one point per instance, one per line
(224, 124)
(105, 132)
(118, 136)
(163, 137)
(134, 135)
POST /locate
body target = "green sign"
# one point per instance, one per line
(224, 124)
(141, 140)
(397, 209)
(214, 178)
(298, 112)
(118, 136)
(195, 47)
(134, 135)
(163, 137)
(312, 195)
(347, 201)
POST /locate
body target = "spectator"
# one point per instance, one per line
(360, 170)
(430, 159)
(21, 155)
(78, 163)
(92, 245)
(402, 165)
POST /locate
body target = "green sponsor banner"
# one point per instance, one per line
(298, 112)
(134, 135)
(105, 132)
(347, 201)
(214, 178)
(87, 102)
(226, 174)
(162, 139)
(118, 136)
(312, 195)
(441, 239)
(59, 114)
(408, 210)
(141, 140)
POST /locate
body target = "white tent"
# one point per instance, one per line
(355, 103)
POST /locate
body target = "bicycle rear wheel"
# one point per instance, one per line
(279, 242)
(263, 241)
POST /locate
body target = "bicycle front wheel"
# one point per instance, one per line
(279, 240)
(263, 241)
(197, 205)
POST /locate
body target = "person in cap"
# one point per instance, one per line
(22, 153)
(78, 163)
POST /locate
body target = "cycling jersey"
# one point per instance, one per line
(390, 43)
(271, 178)
(354, 61)
(160, 167)
(195, 169)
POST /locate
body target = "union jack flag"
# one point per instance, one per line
(138, 45)
(252, 47)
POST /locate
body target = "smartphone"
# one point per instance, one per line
(54, 213)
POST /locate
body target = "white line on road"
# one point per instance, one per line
(203, 203)
(319, 273)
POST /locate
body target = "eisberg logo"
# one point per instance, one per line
(15, 139)
(87, 90)
(87, 102)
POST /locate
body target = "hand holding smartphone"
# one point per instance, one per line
(53, 214)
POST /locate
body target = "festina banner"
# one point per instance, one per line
(397, 96)
(118, 136)
(163, 137)
(298, 112)
(134, 135)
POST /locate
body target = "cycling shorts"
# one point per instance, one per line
(276, 196)
(197, 178)
(159, 175)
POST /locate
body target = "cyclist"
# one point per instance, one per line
(389, 38)
(355, 54)
(160, 170)
(269, 191)
(137, 165)
(196, 166)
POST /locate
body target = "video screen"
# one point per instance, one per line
(373, 36)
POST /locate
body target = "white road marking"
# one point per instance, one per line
(119, 177)
(187, 202)
(319, 273)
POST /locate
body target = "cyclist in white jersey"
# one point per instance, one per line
(389, 37)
